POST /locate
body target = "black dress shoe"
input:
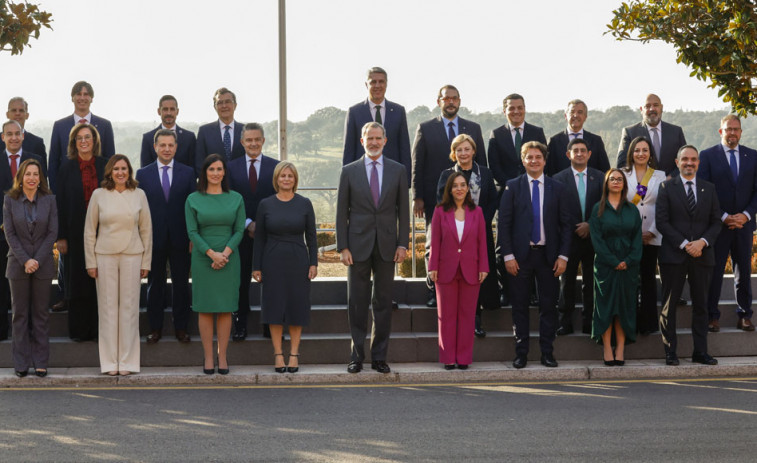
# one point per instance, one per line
(564, 330)
(671, 359)
(240, 335)
(478, 331)
(431, 302)
(355, 367)
(548, 360)
(520, 362)
(59, 306)
(449, 366)
(380, 366)
(21, 374)
(182, 336)
(462, 367)
(154, 336)
(533, 301)
(503, 300)
(703, 358)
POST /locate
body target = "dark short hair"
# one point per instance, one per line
(253, 126)
(680, 150)
(108, 183)
(165, 133)
(167, 98)
(448, 202)
(512, 96)
(21, 99)
(202, 184)
(11, 121)
(447, 87)
(82, 84)
(372, 125)
(577, 141)
(220, 92)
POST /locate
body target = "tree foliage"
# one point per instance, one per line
(18, 23)
(717, 39)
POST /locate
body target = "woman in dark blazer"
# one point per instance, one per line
(30, 220)
(77, 179)
(458, 264)
(484, 194)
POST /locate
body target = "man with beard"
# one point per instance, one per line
(666, 138)
(431, 150)
(733, 170)
(575, 116)
(168, 109)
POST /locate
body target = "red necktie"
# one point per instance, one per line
(253, 177)
(82, 121)
(14, 164)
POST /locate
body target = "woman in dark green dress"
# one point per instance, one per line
(215, 223)
(615, 228)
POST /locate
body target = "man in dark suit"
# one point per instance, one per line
(666, 138)
(688, 217)
(222, 136)
(18, 110)
(575, 115)
(252, 177)
(372, 230)
(82, 95)
(733, 169)
(583, 189)
(168, 109)
(14, 154)
(167, 184)
(431, 150)
(390, 115)
(534, 233)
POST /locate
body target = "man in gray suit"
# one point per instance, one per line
(372, 229)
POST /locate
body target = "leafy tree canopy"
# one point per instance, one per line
(715, 38)
(18, 23)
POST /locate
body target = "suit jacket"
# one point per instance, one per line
(488, 200)
(734, 196)
(239, 181)
(558, 146)
(6, 179)
(360, 224)
(431, 150)
(169, 224)
(504, 162)
(647, 206)
(24, 244)
(395, 123)
(676, 224)
(209, 141)
(32, 144)
(672, 141)
(594, 181)
(185, 147)
(59, 144)
(515, 219)
(448, 252)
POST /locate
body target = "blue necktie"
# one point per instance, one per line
(451, 132)
(227, 142)
(165, 183)
(734, 167)
(536, 213)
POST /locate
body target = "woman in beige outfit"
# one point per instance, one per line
(117, 251)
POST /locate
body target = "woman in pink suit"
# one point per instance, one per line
(458, 264)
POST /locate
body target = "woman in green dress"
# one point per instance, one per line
(215, 223)
(615, 228)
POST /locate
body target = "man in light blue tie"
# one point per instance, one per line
(733, 169)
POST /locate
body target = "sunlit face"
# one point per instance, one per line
(168, 111)
(730, 133)
(376, 85)
(464, 154)
(13, 136)
(459, 189)
(515, 111)
(17, 112)
(449, 103)
(688, 162)
(84, 141)
(615, 182)
(30, 181)
(82, 100)
(579, 156)
(285, 180)
(374, 142)
(165, 147)
(215, 173)
(252, 141)
(120, 173)
(225, 107)
(534, 162)
(641, 154)
(576, 116)
(651, 112)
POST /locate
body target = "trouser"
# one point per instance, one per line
(456, 310)
(31, 343)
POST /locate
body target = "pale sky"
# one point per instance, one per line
(133, 52)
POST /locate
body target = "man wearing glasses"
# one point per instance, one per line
(222, 136)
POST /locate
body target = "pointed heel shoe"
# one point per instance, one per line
(279, 369)
(294, 369)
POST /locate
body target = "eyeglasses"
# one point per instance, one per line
(84, 138)
(615, 179)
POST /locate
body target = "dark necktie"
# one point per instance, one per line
(253, 177)
(451, 131)
(536, 213)
(734, 167)
(14, 164)
(691, 200)
(378, 114)
(227, 141)
(165, 183)
(575, 135)
(656, 142)
(375, 184)
(82, 121)
(518, 141)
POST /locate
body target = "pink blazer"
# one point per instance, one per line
(447, 252)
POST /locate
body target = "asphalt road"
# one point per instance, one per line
(645, 421)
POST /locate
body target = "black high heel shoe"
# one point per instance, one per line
(294, 369)
(207, 371)
(223, 371)
(279, 369)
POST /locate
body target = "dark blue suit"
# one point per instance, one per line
(395, 123)
(504, 162)
(170, 242)
(514, 232)
(734, 196)
(209, 141)
(59, 144)
(185, 147)
(239, 181)
(557, 161)
(31, 144)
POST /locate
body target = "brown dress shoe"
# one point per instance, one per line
(154, 337)
(182, 336)
(745, 324)
(59, 306)
(713, 326)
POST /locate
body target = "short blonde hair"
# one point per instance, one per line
(279, 169)
(457, 141)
